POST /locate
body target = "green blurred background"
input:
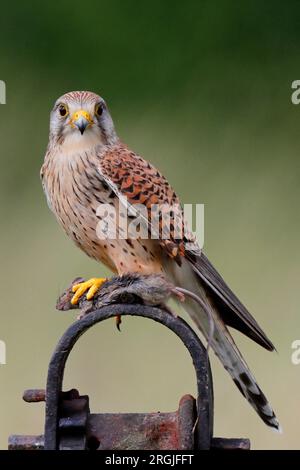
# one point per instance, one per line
(202, 89)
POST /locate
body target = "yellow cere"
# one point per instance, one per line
(81, 113)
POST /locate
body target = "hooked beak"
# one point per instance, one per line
(81, 119)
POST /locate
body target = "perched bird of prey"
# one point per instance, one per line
(86, 166)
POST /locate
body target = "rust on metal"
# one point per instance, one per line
(147, 431)
(34, 395)
(204, 423)
(16, 442)
(70, 425)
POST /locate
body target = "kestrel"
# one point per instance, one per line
(86, 166)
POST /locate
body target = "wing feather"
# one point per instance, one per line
(236, 314)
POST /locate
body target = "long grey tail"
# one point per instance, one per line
(222, 343)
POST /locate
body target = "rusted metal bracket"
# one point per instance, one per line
(70, 425)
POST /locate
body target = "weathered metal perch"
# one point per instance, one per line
(70, 425)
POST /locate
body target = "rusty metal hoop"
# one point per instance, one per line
(204, 425)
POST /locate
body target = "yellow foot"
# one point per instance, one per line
(92, 286)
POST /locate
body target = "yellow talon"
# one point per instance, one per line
(92, 286)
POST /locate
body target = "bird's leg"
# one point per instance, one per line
(92, 286)
(118, 321)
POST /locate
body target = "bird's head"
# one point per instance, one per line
(81, 120)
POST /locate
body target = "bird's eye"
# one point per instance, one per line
(99, 109)
(62, 110)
